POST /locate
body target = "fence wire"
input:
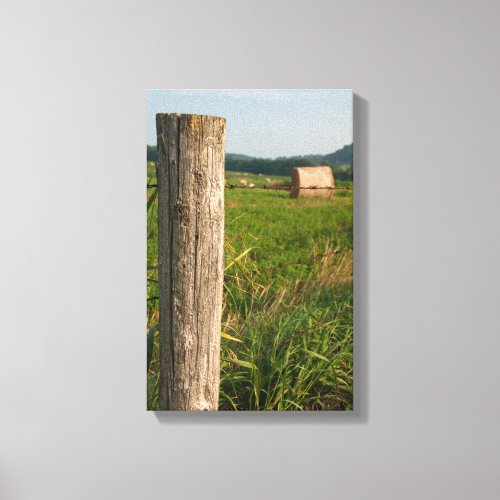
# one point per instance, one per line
(286, 264)
(279, 188)
(276, 188)
(286, 188)
(301, 261)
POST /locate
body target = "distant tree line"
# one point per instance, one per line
(151, 154)
(340, 161)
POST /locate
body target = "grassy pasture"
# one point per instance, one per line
(286, 331)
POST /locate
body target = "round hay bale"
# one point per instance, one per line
(320, 178)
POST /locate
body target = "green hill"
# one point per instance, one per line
(340, 161)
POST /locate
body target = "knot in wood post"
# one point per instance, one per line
(190, 258)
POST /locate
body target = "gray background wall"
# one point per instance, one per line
(72, 287)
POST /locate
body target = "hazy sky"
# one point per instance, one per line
(266, 123)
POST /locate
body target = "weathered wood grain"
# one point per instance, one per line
(190, 172)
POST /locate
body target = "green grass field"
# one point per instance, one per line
(286, 329)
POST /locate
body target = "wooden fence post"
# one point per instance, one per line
(190, 173)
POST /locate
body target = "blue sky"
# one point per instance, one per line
(266, 123)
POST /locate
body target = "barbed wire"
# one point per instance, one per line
(301, 261)
(279, 188)
(286, 188)
(285, 264)
(276, 188)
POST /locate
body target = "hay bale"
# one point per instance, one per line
(309, 177)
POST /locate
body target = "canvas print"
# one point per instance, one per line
(249, 250)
